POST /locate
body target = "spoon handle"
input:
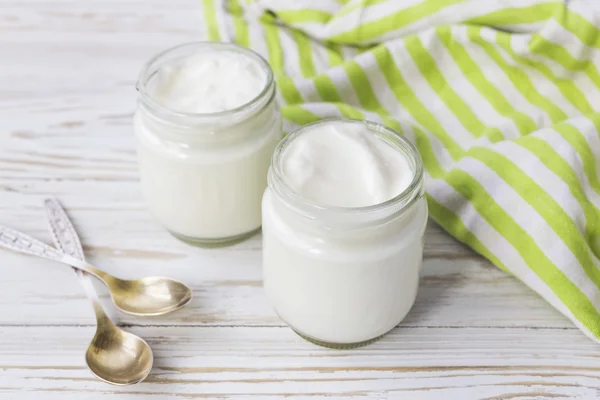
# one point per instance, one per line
(22, 243)
(63, 233)
(65, 238)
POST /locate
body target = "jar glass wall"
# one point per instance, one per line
(342, 277)
(203, 174)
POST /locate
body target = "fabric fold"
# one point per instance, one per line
(501, 98)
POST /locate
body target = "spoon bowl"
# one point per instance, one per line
(118, 357)
(148, 296)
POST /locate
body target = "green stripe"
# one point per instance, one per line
(303, 15)
(555, 163)
(360, 82)
(210, 17)
(519, 78)
(411, 102)
(425, 148)
(240, 26)
(585, 30)
(334, 54)
(305, 56)
(560, 222)
(473, 73)
(566, 87)
(516, 15)
(423, 145)
(357, 5)
(327, 89)
(299, 115)
(395, 21)
(559, 54)
(570, 294)
(577, 140)
(286, 85)
(349, 112)
(429, 70)
(288, 90)
(274, 48)
(454, 225)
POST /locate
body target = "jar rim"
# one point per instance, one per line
(148, 71)
(401, 201)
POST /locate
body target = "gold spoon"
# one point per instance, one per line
(144, 297)
(115, 356)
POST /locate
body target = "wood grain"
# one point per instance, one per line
(219, 362)
(67, 96)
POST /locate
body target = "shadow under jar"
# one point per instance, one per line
(203, 173)
(342, 277)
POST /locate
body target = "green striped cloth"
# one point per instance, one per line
(501, 97)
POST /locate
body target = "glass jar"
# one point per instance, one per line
(203, 175)
(342, 277)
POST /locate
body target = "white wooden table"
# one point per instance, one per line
(67, 73)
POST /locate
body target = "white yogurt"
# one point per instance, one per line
(343, 225)
(206, 126)
(344, 165)
(208, 83)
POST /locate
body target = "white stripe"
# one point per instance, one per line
(224, 24)
(428, 97)
(496, 75)
(365, 14)
(291, 55)
(571, 157)
(291, 58)
(320, 56)
(344, 86)
(295, 5)
(377, 81)
(323, 110)
(557, 34)
(478, 104)
(548, 181)
(530, 27)
(490, 35)
(579, 78)
(307, 89)
(545, 87)
(532, 223)
(349, 52)
(258, 42)
(520, 45)
(451, 14)
(592, 138)
(315, 29)
(257, 39)
(587, 10)
(498, 246)
(409, 133)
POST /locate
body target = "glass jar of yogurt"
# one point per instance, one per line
(206, 126)
(344, 218)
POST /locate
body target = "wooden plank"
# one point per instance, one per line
(228, 291)
(458, 287)
(262, 363)
(66, 101)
